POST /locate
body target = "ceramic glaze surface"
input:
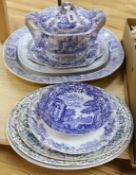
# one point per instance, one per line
(44, 139)
(65, 60)
(30, 62)
(116, 58)
(66, 143)
(74, 108)
(115, 146)
(65, 32)
(28, 132)
(58, 20)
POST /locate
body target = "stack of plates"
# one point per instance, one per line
(69, 126)
(20, 59)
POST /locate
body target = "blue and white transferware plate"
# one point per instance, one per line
(27, 136)
(28, 59)
(63, 142)
(116, 57)
(113, 149)
(44, 139)
(74, 108)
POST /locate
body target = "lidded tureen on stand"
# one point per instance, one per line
(64, 36)
(63, 43)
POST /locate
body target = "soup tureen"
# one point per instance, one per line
(65, 35)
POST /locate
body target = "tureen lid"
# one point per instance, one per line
(68, 19)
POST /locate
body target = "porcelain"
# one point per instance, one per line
(29, 61)
(13, 65)
(74, 108)
(62, 61)
(92, 141)
(114, 148)
(63, 34)
(30, 140)
(61, 142)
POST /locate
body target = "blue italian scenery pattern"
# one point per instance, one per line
(42, 56)
(56, 20)
(28, 60)
(41, 132)
(74, 108)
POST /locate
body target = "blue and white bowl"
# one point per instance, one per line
(63, 34)
(74, 108)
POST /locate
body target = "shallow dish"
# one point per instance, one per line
(34, 135)
(74, 108)
(64, 143)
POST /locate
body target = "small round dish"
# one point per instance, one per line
(74, 108)
(78, 144)
(41, 140)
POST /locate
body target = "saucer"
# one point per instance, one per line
(26, 59)
(73, 108)
(113, 149)
(116, 58)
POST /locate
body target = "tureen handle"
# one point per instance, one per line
(32, 24)
(99, 19)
